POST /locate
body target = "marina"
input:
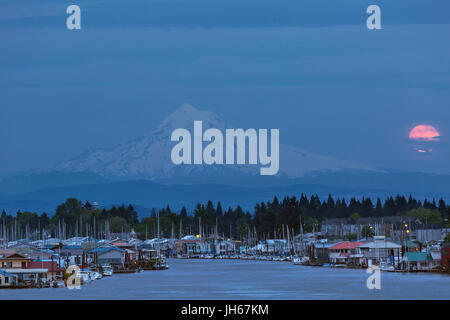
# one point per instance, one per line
(247, 279)
(76, 259)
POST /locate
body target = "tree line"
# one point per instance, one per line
(268, 219)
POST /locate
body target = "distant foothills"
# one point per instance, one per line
(74, 218)
(141, 172)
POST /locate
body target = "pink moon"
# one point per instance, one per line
(424, 133)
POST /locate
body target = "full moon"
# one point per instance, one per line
(424, 133)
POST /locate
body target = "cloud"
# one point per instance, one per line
(222, 13)
(403, 56)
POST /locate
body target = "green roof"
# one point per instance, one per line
(407, 243)
(418, 256)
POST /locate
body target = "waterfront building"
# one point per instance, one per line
(72, 254)
(321, 249)
(6, 278)
(108, 255)
(224, 247)
(17, 268)
(430, 234)
(380, 250)
(445, 255)
(192, 245)
(417, 261)
(23, 276)
(436, 256)
(14, 261)
(345, 253)
(53, 270)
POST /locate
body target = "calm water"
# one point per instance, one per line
(235, 279)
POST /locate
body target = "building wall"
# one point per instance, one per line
(427, 235)
(12, 263)
(5, 280)
(111, 257)
(445, 252)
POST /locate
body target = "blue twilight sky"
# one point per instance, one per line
(308, 67)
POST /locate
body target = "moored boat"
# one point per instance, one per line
(301, 260)
(107, 270)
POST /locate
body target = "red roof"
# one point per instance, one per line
(346, 245)
(120, 244)
(44, 265)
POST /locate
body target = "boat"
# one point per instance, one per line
(85, 276)
(160, 261)
(386, 266)
(107, 270)
(160, 264)
(138, 270)
(339, 265)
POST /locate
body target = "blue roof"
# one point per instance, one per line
(106, 249)
(7, 274)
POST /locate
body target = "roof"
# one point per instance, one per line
(417, 256)
(14, 271)
(346, 245)
(106, 249)
(121, 244)
(16, 256)
(276, 241)
(380, 245)
(5, 252)
(72, 247)
(436, 255)
(325, 245)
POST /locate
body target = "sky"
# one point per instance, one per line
(310, 68)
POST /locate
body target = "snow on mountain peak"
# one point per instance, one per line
(186, 114)
(148, 157)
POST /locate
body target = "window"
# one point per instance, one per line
(24, 265)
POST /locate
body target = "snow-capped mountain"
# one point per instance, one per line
(148, 157)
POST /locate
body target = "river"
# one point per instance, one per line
(247, 280)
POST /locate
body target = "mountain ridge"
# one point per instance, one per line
(148, 194)
(148, 156)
